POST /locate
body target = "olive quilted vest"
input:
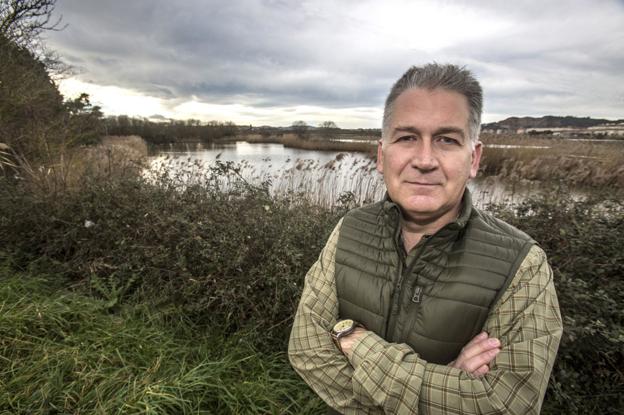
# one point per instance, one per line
(437, 297)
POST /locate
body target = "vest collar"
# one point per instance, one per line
(458, 224)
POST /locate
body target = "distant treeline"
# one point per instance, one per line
(172, 131)
(169, 132)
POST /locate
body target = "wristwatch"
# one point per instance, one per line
(343, 328)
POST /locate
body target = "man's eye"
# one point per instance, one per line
(407, 138)
(448, 140)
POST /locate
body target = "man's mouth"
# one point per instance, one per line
(421, 183)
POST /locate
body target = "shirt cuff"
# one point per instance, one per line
(364, 346)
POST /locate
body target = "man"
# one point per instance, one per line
(421, 303)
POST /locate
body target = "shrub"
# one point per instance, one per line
(224, 251)
(584, 240)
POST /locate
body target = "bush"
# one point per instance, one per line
(584, 240)
(224, 251)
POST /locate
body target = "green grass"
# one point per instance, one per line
(64, 352)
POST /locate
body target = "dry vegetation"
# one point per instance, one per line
(579, 162)
(114, 157)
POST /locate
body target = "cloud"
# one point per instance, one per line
(532, 58)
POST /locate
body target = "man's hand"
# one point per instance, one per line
(476, 356)
(347, 342)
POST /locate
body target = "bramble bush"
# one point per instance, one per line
(215, 248)
(584, 241)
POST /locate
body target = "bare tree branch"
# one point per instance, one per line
(22, 21)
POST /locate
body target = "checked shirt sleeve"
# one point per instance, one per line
(528, 323)
(311, 350)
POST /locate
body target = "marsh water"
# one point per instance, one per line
(322, 176)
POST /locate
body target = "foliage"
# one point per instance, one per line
(591, 163)
(169, 132)
(222, 250)
(84, 120)
(39, 133)
(23, 21)
(300, 129)
(328, 128)
(584, 240)
(330, 125)
(30, 104)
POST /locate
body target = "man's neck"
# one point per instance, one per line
(414, 228)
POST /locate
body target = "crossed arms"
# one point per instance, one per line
(382, 377)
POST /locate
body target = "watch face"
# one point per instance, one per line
(343, 325)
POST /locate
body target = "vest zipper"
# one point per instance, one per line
(403, 271)
(394, 301)
(418, 291)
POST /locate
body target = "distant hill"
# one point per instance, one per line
(548, 121)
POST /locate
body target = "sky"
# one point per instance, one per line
(273, 62)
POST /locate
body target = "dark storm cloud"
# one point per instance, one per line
(543, 57)
(265, 52)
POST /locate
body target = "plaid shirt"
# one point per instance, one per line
(383, 377)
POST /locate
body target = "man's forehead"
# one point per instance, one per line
(416, 93)
(443, 104)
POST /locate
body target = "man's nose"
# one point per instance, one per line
(423, 156)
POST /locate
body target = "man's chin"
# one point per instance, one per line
(424, 209)
(423, 204)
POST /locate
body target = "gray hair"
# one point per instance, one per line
(447, 76)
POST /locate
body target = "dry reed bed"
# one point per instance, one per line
(592, 163)
(316, 182)
(114, 156)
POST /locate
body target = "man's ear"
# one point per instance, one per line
(476, 159)
(380, 156)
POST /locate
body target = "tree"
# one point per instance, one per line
(327, 128)
(328, 125)
(300, 128)
(22, 21)
(31, 108)
(83, 120)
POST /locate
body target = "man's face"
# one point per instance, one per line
(427, 157)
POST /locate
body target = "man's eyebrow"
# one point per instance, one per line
(450, 130)
(407, 129)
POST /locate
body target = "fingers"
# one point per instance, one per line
(481, 371)
(478, 346)
(479, 337)
(476, 362)
(476, 356)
